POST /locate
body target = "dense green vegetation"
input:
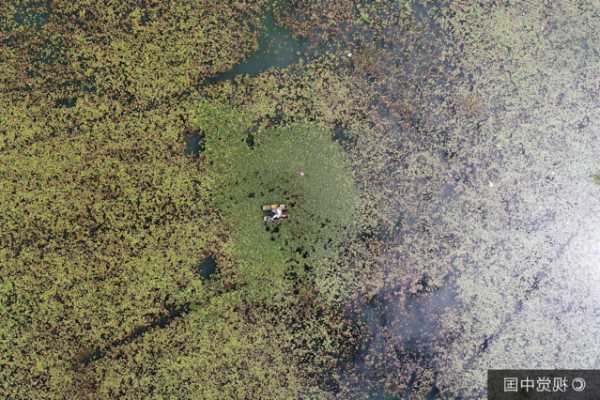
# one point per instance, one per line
(300, 166)
(99, 234)
(105, 219)
(102, 235)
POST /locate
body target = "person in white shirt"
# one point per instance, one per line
(278, 213)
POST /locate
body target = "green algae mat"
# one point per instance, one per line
(300, 166)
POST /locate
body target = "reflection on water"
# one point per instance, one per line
(492, 183)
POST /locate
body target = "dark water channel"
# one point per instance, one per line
(277, 48)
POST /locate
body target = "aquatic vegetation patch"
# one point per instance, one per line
(298, 165)
(105, 216)
(139, 53)
(100, 235)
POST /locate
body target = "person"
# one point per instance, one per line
(274, 212)
(278, 213)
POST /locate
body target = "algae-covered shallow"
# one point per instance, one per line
(208, 267)
(437, 159)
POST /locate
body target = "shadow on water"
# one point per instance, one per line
(160, 321)
(277, 47)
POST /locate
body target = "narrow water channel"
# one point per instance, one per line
(277, 48)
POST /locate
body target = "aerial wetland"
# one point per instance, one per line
(343, 199)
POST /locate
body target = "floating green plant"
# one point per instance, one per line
(298, 165)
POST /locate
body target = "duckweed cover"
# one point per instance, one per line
(439, 161)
